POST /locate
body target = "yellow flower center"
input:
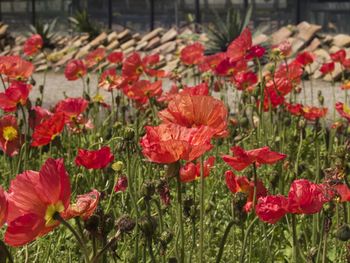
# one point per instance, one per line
(139, 70)
(9, 133)
(51, 210)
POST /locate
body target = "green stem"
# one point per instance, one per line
(201, 219)
(181, 226)
(246, 234)
(58, 217)
(295, 241)
(6, 250)
(223, 241)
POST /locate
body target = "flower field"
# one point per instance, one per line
(179, 174)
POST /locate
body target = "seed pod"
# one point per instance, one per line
(125, 224)
(343, 233)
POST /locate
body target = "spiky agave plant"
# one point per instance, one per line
(46, 30)
(222, 32)
(81, 23)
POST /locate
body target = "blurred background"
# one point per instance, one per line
(143, 15)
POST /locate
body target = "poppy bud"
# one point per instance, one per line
(32, 81)
(321, 99)
(244, 122)
(148, 226)
(343, 233)
(301, 124)
(129, 133)
(125, 224)
(117, 125)
(287, 120)
(118, 166)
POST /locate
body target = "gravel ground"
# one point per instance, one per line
(57, 86)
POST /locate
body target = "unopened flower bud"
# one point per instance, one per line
(125, 224)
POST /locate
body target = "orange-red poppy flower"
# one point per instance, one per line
(16, 94)
(305, 58)
(34, 199)
(115, 57)
(209, 63)
(94, 159)
(48, 130)
(242, 184)
(313, 113)
(343, 110)
(338, 56)
(75, 69)
(168, 143)
(243, 159)
(294, 109)
(38, 115)
(239, 47)
(142, 90)
(3, 207)
(195, 111)
(229, 68)
(305, 197)
(191, 171)
(192, 54)
(271, 208)
(84, 207)
(245, 80)
(16, 68)
(134, 66)
(327, 68)
(33, 44)
(95, 57)
(72, 108)
(11, 138)
(109, 80)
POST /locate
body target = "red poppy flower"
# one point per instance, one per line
(97, 159)
(3, 207)
(243, 185)
(327, 68)
(16, 68)
(346, 63)
(47, 131)
(115, 57)
(272, 98)
(190, 171)
(228, 68)
(110, 80)
(33, 44)
(192, 54)
(75, 69)
(84, 207)
(287, 77)
(294, 109)
(242, 158)
(122, 184)
(168, 143)
(134, 66)
(343, 110)
(305, 58)
(245, 80)
(95, 57)
(11, 138)
(209, 63)
(34, 198)
(338, 56)
(271, 208)
(255, 52)
(142, 90)
(313, 113)
(343, 192)
(196, 111)
(201, 89)
(239, 47)
(72, 108)
(305, 197)
(16, 94)
(37, 115)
